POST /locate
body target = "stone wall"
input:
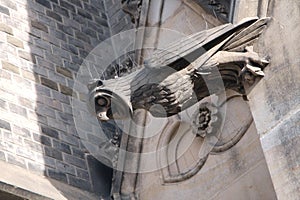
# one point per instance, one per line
(275, 99)
(43, 43)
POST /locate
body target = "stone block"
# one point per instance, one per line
(4, 10)
(40, 26)
(42, 90)
(17, 109)
(27, 56)
(25, 153)
(36, 167)
(84, 14)
(58, 34)
(25, 102)
(79, 19)
(89, 31)
(66, 108)
(76, 3)
(82, 37)
(61, 146)
(5, 125)
(2, 156)
(70, 159)
(50, 102)
(5, 28)
(30, 75)
(42, 139)
(48, 161)
(66, 29)
(80, 183)
(70, 48)
(3, 105)
(9, 3)
(67, 5)
(57, 175)
(57, 124)
(34, 146)
(78, 152)
(10, 67)
(42, 44)
(49, 132)
(91, 9)
(57, 50)
(60, 10)
(54, 15)
(76, 42)
(16, 160)
(61, 97)
(101, 21)
(25, 133)
(83, 53)
(72, 66)
(43, 63)
(64, 72)
(45, 3)
(53, 153)
(83, 174)
(14, 41)
(66, 90)
(65, 168)
(49, 83)
(77, 60)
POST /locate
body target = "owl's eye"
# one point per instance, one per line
(103, 102)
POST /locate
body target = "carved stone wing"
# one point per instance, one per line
(181, 53)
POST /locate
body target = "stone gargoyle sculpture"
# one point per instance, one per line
(171, 82)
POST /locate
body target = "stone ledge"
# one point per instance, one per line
(22, 183)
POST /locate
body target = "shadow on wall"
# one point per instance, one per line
(61, 34)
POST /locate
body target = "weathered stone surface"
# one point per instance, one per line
(39, 25)
(53, 153)
(5, 28)
(50, 132)
(14, 41)
(64, 72)
(275, 99)
(4, 10)
(27, 56)
(57, 175)
(10, 67)
(49, 83)
(5, 125)
(45, 3)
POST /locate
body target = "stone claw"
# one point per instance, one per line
(264, 61)
(255, 70)
(253, 57)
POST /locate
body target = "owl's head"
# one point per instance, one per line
(106, 103)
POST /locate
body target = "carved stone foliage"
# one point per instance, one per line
(205, 120)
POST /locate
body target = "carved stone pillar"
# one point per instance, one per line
(275, 99)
